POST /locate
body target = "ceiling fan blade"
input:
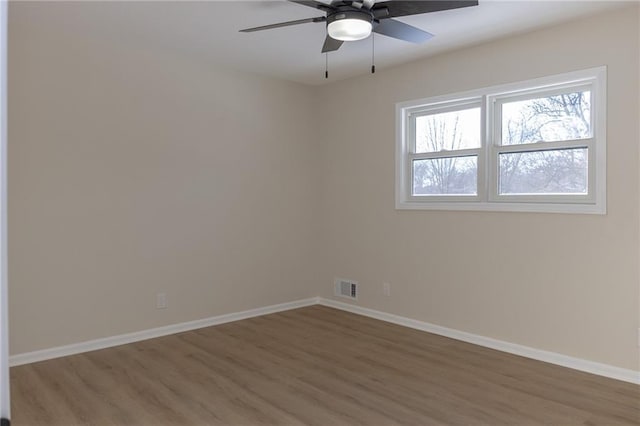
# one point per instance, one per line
(401, 31)
(331, 44)
(284, 24)
(315, 4)
(415, 7)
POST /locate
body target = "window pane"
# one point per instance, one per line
(561, 171)
(445, 176)
(448, 131)
(554, 118)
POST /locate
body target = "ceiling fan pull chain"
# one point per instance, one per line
(326, 65)
(373, 54)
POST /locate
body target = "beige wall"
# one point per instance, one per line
(558, 282)
(135, 171)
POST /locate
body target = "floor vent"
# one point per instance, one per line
(346, 288)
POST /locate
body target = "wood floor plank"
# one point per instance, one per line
(312, 366)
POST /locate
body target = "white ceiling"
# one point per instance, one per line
(209, 30)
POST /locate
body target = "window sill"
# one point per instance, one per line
(598, 209)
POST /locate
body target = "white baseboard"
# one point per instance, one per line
(605, 370)
(600, 369)
(122, 339)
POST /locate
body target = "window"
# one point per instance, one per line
(537, 145)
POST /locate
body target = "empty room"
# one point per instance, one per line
(348, 212)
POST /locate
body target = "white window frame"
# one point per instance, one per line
(411, 115)
(491, 99)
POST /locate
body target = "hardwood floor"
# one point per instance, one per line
(312, 366)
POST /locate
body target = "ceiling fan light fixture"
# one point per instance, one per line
(349, 26)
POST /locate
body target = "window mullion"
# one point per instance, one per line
(492, 133)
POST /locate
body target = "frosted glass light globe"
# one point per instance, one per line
(349, 29)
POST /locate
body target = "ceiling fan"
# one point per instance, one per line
(350, 20)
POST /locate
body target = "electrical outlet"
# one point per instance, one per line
(161, 301)
(386, 289)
